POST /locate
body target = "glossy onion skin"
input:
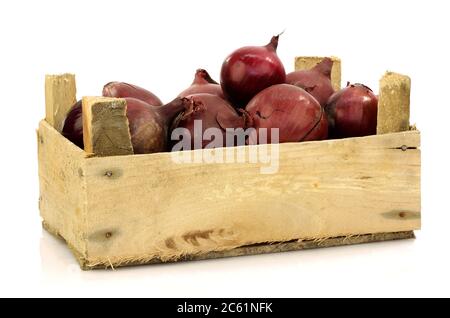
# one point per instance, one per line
(316, 81)
(203, 83)
(249, 70)
(122, 90)
(214, 112)
(297, 115)
(352, 112)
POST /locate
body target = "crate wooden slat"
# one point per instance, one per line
(117, 209)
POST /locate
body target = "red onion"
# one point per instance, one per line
(149, 125)
(297, 115)
(73, 125)
(203, 83)
(121, 90)
(249, 70)
(316, 81)
(214, 112)
(352, 112)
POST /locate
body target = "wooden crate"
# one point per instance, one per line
(136, 209)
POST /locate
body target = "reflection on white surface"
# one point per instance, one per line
(239, 276)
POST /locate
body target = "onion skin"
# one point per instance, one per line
(122, 90)
(214, 112)
(203, 83)
(249, 70)
(73, 125)
(149, 125)
(352, 112)
(297, 115)
(316, 81)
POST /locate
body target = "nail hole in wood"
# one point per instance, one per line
(108, 235)
(404, 148)
(109, 174)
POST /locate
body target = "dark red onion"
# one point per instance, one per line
(214, 112)
(203, 83)
(149, 125)
(352, 112)
(316, 81)
(121, 90)
(249, 70)
(297, 115)
(73, 125)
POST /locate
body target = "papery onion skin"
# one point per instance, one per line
(316, 81)
(203, 83)
(292, 110)
(122, 90)
(352, 112)
(214, 112)
(249, 70)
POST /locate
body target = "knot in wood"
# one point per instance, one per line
(108, 174)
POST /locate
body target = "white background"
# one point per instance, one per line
(159, 45)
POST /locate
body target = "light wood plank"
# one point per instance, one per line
(60, 95)
(105, 126)
(263, 248)
(62, 187)
(144, 206)
(307, 62)
(393, 103)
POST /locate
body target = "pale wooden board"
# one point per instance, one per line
(105, 126)
(393, 103)
(60, 95)
(323, 189)
(255, 249)
(307, 62)
(62, 200)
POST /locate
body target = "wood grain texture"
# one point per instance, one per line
(143, 207)
(393, 103)
(60, 95)
(263, 248)
(62, 200)
(307, 62)
(105, 126)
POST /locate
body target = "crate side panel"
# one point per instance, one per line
(62, 199)
(147, 206)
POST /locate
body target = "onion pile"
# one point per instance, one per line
(254, 93)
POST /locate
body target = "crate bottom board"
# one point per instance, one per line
(263, 248)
